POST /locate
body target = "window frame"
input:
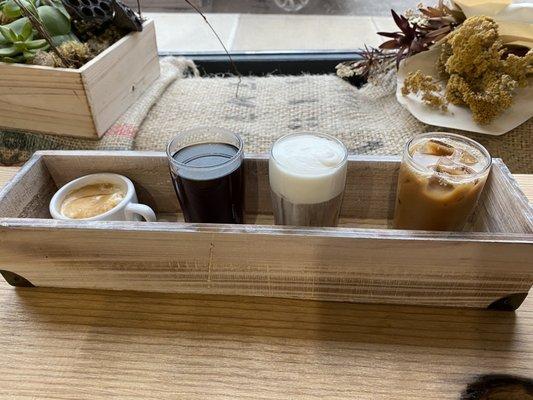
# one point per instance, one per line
(269, 63)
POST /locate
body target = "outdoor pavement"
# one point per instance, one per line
(187, 33)
(264, 26)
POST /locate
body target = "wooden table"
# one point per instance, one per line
(76, 344)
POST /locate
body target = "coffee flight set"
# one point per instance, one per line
(441, 179)
(442, 225)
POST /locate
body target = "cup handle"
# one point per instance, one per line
(146, 212)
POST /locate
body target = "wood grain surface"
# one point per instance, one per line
(44, 99)
(82, 344)
(119, 76)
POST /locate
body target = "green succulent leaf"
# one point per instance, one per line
(20, 46)
(36, 44)
(55, 22)
(11, 9)
(8, 34)
(13, 35)
(26, 32)
(5, 33)
(8, 51)
(59, 5)
(28, 55)
(18, 25)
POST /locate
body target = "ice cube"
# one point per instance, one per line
(437, 184)
(437, 148)
(449, 167)
(467, 158)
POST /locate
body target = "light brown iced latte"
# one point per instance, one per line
(441, 178)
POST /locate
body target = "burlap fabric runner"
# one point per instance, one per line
(17, 147)
(367, 120)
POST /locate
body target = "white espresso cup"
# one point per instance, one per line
(127, 210)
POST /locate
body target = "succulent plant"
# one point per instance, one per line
(11, 10)
(55, 20)
(19, 47)
(32, 27)
(57, 23)
(35, 27)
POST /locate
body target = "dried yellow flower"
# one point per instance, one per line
(487, 98)
(475, 48)
(478, 76)
(518, 67)
(417, 82)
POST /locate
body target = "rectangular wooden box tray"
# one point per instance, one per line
(488, 265)
(82, 102)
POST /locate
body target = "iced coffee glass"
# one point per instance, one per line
(441, 179)
(307, 173)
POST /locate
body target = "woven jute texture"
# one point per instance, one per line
(367, 120)
(17, 147)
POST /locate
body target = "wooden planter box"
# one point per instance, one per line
(490, 265)
(82, 102)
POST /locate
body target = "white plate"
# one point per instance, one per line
(460, 117)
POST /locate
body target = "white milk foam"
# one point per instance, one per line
(307, 169)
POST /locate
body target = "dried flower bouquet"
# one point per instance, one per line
(455, 71)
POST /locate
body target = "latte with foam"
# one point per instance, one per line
(307, 177)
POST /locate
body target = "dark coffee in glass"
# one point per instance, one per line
(206, 165)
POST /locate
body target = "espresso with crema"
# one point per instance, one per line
(92, 200)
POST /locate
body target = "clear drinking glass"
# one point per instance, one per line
(441, 178)
(206, 165)
(307, 173)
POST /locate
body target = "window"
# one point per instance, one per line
(282, 30)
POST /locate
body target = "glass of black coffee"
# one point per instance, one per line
(206, 165)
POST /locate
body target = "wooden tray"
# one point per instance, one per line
(82, 102)
(489, 265)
